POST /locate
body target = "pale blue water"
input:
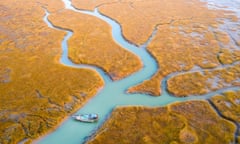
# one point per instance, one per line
(113, 94)
(229, 5)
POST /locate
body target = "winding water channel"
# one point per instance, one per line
(114, 92)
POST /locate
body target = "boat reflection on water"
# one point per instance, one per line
(90, 118)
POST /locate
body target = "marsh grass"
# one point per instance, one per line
(228, 104)
(36, 91)
(92, 44)
(184, 123)
(203, 82)
(188, 36)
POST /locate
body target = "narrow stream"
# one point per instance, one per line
(114, 92)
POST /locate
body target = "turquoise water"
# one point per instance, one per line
(113, 93)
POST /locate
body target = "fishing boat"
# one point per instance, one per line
(86, 117)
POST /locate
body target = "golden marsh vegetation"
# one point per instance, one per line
(192, 42)
(228, 104)
(91, 5)
(92, 44)
(180, 123)
(204, 82)
(36, 91)
(189, 36)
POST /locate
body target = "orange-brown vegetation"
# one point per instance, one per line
(139, 17)
(36, 91)
(90, 5)
(188, 34)
(92, 44)
(205, 81)
(51, 5)
(175, 52)
(4, 75)
(151, 86)
(228, 104)
(183, 123)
